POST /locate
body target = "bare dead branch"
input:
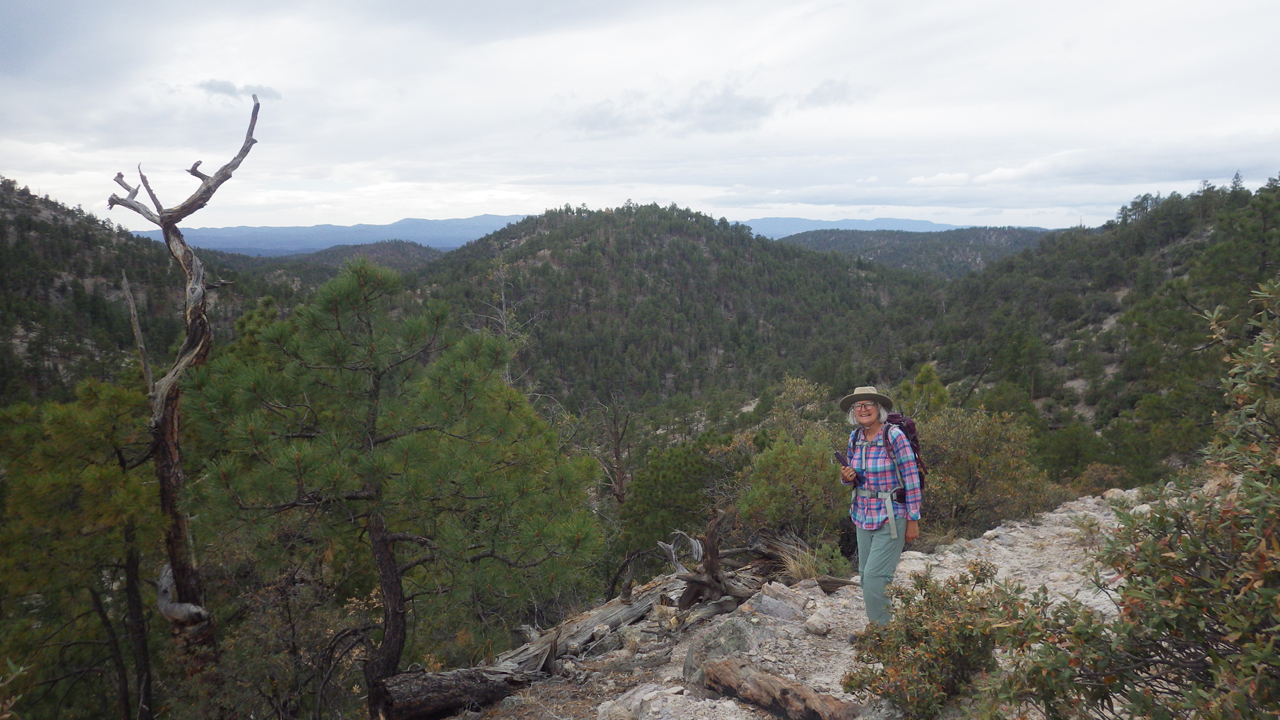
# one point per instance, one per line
(209, 185)
(137, 331)
(151, 193)
(195, 170)
(133, 191)
(420, 560)
(409, 537)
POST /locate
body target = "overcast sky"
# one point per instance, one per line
(969, 112)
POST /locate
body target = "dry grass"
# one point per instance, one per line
(800, 564)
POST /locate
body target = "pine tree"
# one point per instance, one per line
(374, 450)
(78, 524)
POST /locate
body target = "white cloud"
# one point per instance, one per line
(399, 109)
(941, 179)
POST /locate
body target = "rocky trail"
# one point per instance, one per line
(800, 633)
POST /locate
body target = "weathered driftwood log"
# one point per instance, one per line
(737, 677)
(409, 695)
(424, 695)
(831, 584)
(708, 581)
(576, 633)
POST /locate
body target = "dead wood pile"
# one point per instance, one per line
(688, 596)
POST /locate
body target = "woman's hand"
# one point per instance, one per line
(913, 530)
(848, 474)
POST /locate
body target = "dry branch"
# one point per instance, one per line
(790, 699)
(137, 331)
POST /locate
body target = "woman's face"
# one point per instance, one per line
(866, 413)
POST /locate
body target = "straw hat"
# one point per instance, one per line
(865, 393)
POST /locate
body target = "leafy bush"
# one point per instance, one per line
(937, 642)
(798, 485)
(980, 471)
(1098, 478)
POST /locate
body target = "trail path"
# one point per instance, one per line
(784, 629)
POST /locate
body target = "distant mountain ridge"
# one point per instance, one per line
(779, 227)
(270, 241)
(454, 233)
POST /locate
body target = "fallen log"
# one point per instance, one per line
(425, 696)
(737, 677)
(831, 584)
(577, 633)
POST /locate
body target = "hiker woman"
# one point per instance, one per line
(886, 503)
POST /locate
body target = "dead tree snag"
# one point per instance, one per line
(166, 392)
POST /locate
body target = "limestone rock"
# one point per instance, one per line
(778, 591)
(818, 623)
(780, 609)
(734, 636)
(610, 710)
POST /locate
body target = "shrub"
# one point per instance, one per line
(937, 642)
(1098, 478)
(980, 471)
(797, 485)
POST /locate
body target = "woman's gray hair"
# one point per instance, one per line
(884, 414)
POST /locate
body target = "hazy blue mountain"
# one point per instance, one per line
(439, 234)
(777, 227)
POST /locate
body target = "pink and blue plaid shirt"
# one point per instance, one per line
(873, 460)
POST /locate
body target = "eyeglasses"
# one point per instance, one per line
(864, 406)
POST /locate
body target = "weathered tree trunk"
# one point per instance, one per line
(385, 658)
(736, 677)
(137, 624)
(422, 695)
(166, 393)
(708, 581)
(831, 584)
(576, 634)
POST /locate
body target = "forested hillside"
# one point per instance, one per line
(950, 253)
(650, 303)
(63, 315)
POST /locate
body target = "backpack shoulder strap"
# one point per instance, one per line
(892, 452)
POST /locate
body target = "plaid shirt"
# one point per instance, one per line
(871, 458)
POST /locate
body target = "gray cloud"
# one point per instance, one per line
(830, 93)
(718, 110)
(706, 108)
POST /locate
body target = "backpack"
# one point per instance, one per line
(908, 428)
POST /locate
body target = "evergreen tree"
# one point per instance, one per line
(78, 527)
(373, 452)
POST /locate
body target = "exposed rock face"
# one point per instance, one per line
(732, 638)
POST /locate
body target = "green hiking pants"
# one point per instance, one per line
(877, 561)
